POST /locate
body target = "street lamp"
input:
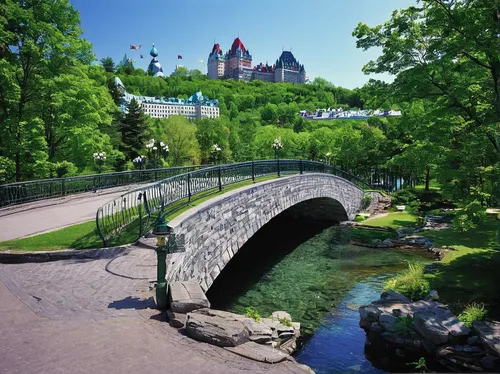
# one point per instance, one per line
(139, 161)
(215, 151)
(161, 230)
(277, 145)
(156, 150)
(99, 158)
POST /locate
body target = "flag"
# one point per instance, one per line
(201, 61)
(179, 57)
(135, 47)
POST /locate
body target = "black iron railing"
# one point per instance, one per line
(21, 192)
(134, 212)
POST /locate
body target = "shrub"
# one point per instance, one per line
(286, 322)
(404, 197)
(410, 282)
(472, 313)
(359, 219)
(404, 324)
(251, 312)
(64, 169)
(469, 217)
(419, 365)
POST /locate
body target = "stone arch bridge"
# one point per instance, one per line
(205, 238)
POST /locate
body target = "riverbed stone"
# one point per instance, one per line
(259, 332)
(280, 315)
(426, 325)
(259, 352)
(368, 315)
(216, 330)
(388, 322)
(187, 296)
(489, 333)
(391, 297)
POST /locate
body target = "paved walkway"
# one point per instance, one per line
(48, 215)
(95, 315)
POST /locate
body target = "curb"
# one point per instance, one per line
(66, 254)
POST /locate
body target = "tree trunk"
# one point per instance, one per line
(427, 179)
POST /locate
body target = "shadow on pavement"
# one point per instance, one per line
(132, 303)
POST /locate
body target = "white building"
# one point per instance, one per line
(196, 107)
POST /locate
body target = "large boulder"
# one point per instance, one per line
(439, 325)
(216, 330)
(186, 297)
(391, 297)
(489, 333)
(260, 353)
(259, 332)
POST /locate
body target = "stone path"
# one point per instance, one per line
(75, 316)
(36, 217)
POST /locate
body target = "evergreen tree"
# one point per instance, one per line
(133, 129)
(108, 64)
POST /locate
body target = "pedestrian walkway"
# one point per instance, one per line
(47, 215)
(96, 316)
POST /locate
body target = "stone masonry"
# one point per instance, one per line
(206, 237)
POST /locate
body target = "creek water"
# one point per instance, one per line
(309, 271)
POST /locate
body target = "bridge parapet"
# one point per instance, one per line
(206, 237)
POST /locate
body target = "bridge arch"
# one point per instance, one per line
(206, 237)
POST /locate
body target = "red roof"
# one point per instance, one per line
(237, 43)
(217, 49)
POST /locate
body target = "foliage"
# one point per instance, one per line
(64, 169)
(108, 64)
(180, 136)
(251, 312)
(420, 365)
(410, 282)
(285, 322)
(359, 218)
(469, 217)
(7, 170)
(404, 325)
(134, 130)
(473, 312)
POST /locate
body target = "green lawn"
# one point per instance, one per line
(395, 220)
(84, 235)
(471, 272)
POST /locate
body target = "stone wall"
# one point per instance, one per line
(207, 237)
(263, 76)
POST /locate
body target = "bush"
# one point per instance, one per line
(7, 170)
(251, 312)
(404, 197)
(286, 322)
(410, 282)
(472, 313)
(359, 219)
(64, 169)
(469, 217)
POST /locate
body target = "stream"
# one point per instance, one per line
(310, 271)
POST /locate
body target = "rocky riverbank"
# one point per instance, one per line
(429, 329)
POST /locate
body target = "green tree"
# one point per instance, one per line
(212, 131)
(134, 130)
(180, 136)
(108, 64)
(45, 39)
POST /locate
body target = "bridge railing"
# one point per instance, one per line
(21, 192)
(133, 213)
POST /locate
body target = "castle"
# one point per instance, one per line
(237, 64)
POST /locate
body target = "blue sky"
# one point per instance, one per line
(317, 31)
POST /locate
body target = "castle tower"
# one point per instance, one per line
(216, 63)
(238, 62)
(154, 67)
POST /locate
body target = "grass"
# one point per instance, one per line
(470, 273)
(84, 235)
(410, 282)
(395, 220)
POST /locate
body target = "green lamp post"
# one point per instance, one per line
(160, 231)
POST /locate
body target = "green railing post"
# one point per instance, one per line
(189, 185)
(253, 171)
(220, 179)
(301, 167)
(278, 167)
(139, 207)
(63, 187)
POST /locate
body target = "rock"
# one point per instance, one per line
(216, 330)
(176, 320)
(388, 322)
(271, 323)
(388, 242)
(376, 328)
(368, 314)
(426, 325)
(259, 352)
(391, 297)
(490, 363)
(473, 340)
(296, 327)
(187, 296)
(285, 335)
(259, 332)
(460, 357)
(489, 333)
(376, 242)
(281, 314)
(433, 296)
(219, 313)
